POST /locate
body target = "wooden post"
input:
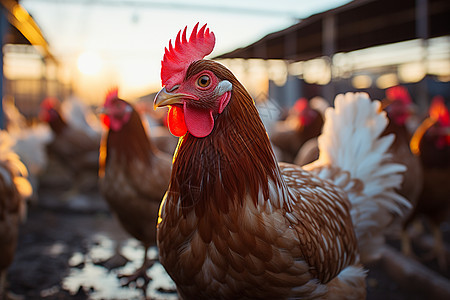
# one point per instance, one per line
(422, 34)
(3, 27)
(328, 49)
(292, 84)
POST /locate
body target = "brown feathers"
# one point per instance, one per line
(236, 224)
(223, 164)
(134, 176)
(130, 142)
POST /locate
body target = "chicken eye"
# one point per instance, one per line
(203, 81)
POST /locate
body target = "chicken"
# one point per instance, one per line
(159, 134)
(29, 142)
(236, 224)
(81, 116)
(431, 142)
(14, 189)
(134, 175)
(15, 120)
(72, 147)
(309, 151)
(31, 146)
(399, 110)
(302, 124)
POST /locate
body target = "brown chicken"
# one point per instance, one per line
(134, 175)
(302, 124)
(160, 135)
(399, 109)
(236, 224)
(431, 142)
(309, 151)
(14, 188)
(71, 147)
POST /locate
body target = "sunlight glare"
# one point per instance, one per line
(89, 63)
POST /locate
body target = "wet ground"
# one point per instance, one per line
(62, 251)
(64, 243)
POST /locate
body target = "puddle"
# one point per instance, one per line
(100, 283)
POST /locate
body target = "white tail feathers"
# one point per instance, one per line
(351, 141)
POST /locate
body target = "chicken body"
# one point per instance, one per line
(267, 251)
(401, 153)
(14, 188)
(73, 148)
(431, 143)
(303, 124)
(399, 110)
(70, 143)
(235, 224)
(134, 175)
(9, 222)
(30, 143)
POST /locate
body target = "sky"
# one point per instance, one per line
(122, 41)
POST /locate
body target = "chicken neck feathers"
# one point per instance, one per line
(229, 163)
(131, 141)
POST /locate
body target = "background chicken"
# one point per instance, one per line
(14, 188)
(399, 108)
(309, 151)
(154, 125)
(81, 116)
(29, 142)
(234, 223)
(133, 174)
(431, 142)
(73, 151)
(302, 124)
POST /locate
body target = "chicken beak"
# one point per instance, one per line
(164, 98)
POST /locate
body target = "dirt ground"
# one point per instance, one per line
(64, 243)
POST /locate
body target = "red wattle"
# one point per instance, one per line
(106, 120)
(175, 121)
(199, 122)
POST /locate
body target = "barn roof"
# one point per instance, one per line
(356, 25)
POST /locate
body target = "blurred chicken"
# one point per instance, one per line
(72, 147)
(29, 142)
(134, 175)
(431, 142)
(31, 145)
(302, 124)
(14, 189)
(159, 133)
(14, 119)
(399, 108)
(79, 115)
(309, 151)
(236, 224)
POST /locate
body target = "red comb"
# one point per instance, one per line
(177, 58)
(398, 93)
(301, 104)
(113, 93)
(439, 112)
(49, 103)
